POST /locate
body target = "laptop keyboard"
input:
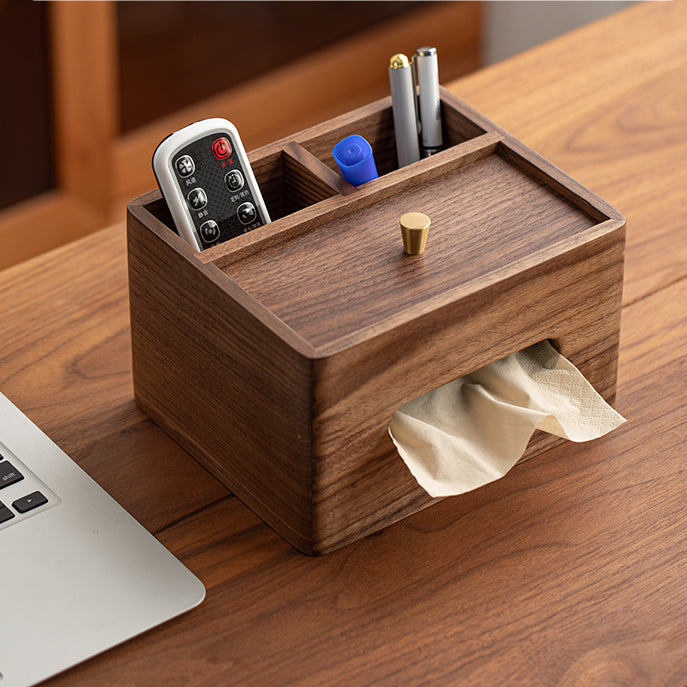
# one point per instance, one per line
(21, 493)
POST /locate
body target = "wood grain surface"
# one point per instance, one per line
(484, 217)
(519, 253)
(609, 111)
(570, 571)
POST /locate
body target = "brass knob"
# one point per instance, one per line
(414, 230)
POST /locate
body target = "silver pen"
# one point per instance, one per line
(403, 108)
(429, 103)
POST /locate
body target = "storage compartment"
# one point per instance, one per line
(377, 127)
(287, 185)
(480, 214)
(278, 358)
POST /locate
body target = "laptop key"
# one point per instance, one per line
(29, 502)
(5, 513)
(9, 474)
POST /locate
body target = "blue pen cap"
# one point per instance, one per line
(353, 155)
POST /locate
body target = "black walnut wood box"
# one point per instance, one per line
(278, 358)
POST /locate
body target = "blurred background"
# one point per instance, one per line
(90, 88)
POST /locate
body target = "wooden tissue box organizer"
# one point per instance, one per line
(278, 358)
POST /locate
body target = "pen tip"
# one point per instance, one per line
(398, 61)
(426, 51)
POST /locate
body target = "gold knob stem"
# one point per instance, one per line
(414, 230)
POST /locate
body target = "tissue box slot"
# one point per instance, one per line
(472, 430)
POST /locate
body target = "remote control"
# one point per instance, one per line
(205, 178)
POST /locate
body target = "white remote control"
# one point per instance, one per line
(206, 179)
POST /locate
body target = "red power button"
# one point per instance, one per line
(221, 148)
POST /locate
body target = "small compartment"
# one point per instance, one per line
(377, 127)
(287, 185)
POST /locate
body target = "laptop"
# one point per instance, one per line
(78, 574)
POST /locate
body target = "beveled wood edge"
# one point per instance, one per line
(536, 165)
(612, 229)
(136, 209)
(310, 218)
(361, 113)
(557, 180)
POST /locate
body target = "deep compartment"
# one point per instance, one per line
(378, 129)
(286, 187)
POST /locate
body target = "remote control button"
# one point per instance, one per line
(221, 148)
(197, 199)
(209, 231)
(9, 475)
(185, 166)
(29, 502)
(247, 213)
(234, 180)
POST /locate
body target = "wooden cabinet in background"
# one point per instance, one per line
(103, 139)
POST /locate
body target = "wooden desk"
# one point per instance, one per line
(572, 570)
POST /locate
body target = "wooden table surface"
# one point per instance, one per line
(572, 570)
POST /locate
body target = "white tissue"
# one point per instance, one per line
(472, 430)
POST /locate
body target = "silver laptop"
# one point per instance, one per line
(78, 574)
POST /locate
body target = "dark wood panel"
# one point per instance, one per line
(209, 47)
(210, 369)
(26, 135)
